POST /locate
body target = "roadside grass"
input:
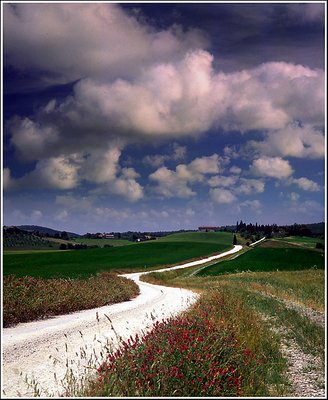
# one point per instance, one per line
(28, 298)
(309, 336)
(268, 259)
(263, 294)
(217, 348)
(306, 287)
(83, 263)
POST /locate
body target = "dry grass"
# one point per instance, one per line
(28, 298)
(306, 287)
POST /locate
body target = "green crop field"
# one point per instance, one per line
(83, 263)
(269, 259)
(102, 242)
(303, 240)
(208, 237)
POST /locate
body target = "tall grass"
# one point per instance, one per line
(200, 353)
(264, 295)
(27, 298)
(306, 287)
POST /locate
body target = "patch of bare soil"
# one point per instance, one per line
(305, 372)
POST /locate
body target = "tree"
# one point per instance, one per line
(234, 240)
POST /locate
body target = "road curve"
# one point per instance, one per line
(43, 351)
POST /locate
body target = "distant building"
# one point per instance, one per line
(207, 228)
(105, 235)
(148, 237)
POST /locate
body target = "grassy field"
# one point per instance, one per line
(201, 237)
(140, 256)
(24, 242)
(102, 242)
(32, 251)
(303, 240)
(269, 256)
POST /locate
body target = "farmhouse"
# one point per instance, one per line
(105, 235)
(207, 228)
(108, 236)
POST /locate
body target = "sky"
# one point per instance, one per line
(163, 116)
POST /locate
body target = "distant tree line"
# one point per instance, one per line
(273, 230)
(78, 246)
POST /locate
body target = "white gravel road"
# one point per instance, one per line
(44, 351)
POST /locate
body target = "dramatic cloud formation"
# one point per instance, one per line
(186, 98)
(71, 41)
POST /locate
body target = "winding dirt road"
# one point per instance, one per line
(44, 351)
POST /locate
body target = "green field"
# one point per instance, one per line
(208, 237)
(269, 259)
(83, 263)
(303, 240)
(102, 242)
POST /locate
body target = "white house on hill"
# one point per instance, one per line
(206, 228)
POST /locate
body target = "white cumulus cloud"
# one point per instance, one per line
(274, 167)
(293, 141)
(222, 196)
(176, 183)
(306, 184)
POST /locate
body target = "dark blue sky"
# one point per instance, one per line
(163, 116)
